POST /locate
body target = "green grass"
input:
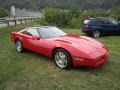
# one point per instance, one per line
(31, 71)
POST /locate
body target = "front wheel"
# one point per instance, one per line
(62, 59)
(96, 34)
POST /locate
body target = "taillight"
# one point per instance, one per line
(86, 26)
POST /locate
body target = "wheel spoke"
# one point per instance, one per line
(96, 34)
(61, 59)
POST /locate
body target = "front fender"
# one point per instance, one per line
(73, 51)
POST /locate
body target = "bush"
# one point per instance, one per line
(56, 17)
(62, 18)
(115, 13)
(41, 21)
(75, 12)
(50, 14)
(74, 23)
(3, 13)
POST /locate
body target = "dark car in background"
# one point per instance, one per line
(100, 25)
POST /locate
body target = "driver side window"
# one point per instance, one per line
(114, 22)
(32, 32)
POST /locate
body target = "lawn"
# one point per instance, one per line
(31, 71)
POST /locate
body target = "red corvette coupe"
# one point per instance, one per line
(67, 50)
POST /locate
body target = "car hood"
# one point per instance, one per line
(84, 44)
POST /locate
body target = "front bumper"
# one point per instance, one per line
(91, 63)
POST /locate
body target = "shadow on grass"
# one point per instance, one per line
(31, 53)
(108, 35)
(85, 68)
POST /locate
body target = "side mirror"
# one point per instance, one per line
(36, 37)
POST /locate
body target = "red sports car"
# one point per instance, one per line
(67, 50)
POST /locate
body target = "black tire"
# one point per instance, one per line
(96, 34)
(67, 59)
(19, 46)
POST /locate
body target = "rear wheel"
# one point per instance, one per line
(19, 46)
(62, 59)
(96, 34)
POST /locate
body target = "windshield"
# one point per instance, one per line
(50, 32)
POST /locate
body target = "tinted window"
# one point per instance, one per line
(113, 21)
(51, 32)
(104, 20)
(108, 21)
(32, 32)
(96, 21)
(93, 21)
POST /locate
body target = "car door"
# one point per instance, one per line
(105, 26)
(31, 42)
(115, 27)
(110, 26)
(47, 46)
(47, 42)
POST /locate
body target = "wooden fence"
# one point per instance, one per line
(21, 20)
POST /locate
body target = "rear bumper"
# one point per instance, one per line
(91, 63)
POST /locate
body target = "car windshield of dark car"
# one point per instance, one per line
(50, 32)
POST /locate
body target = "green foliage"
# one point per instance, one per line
(115, 13)
(63, 18)
(70, 18)
(51, 14)
(56, 17)
(41, 21)
(3, 13)
(74, 17)
(75, 12)
(94, 13)
(74, 23)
